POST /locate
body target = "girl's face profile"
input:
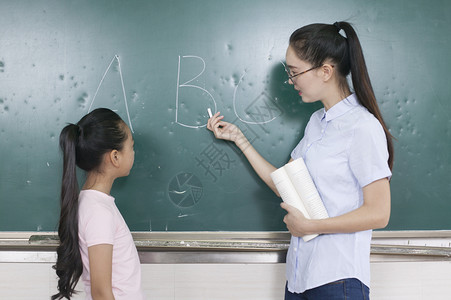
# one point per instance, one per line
(128, 152)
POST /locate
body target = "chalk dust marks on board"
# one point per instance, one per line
(110, 92)
(192, 97)
(4, 107)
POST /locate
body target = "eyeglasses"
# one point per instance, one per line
(290, 77)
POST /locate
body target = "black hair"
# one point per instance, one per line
(83, 145)
(319, 43)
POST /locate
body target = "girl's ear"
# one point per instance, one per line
(114, 158)
(328, 71)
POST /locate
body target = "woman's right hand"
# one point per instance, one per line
(224, 130)
(228, 131)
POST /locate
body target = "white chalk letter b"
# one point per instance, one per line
(192, 100)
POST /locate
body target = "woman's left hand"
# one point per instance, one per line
(373, 214)
(297, 224)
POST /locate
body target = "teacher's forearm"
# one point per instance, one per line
(260, 165)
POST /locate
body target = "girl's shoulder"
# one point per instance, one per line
(96, 196)
(92, 200)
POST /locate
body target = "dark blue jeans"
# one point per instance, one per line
(345, 289)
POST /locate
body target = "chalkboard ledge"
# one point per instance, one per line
(227, 247)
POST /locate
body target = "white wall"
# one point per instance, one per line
(391, 279)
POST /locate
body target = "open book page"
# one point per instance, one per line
(300, 177)
(289, 195)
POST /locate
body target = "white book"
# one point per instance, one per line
(296, 188)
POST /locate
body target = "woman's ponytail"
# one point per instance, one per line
(318, 43)
(361, 81)
(69, 266)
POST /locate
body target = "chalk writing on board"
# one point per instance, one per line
(116, 57)
(188, 84)
(263, 109)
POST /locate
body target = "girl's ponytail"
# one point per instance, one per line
(83, 145)
(361, 81)
(69, 266)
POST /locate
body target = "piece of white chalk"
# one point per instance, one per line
(209, 112)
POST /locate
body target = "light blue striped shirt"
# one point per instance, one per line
(345, 149)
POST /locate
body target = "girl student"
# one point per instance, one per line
(95, 242)
(348, 151)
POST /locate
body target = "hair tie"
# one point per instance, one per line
(337, 25)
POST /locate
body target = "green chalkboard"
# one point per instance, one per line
(161, 64)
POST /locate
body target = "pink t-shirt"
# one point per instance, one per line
(100, 222)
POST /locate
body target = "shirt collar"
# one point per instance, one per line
(340, 108)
